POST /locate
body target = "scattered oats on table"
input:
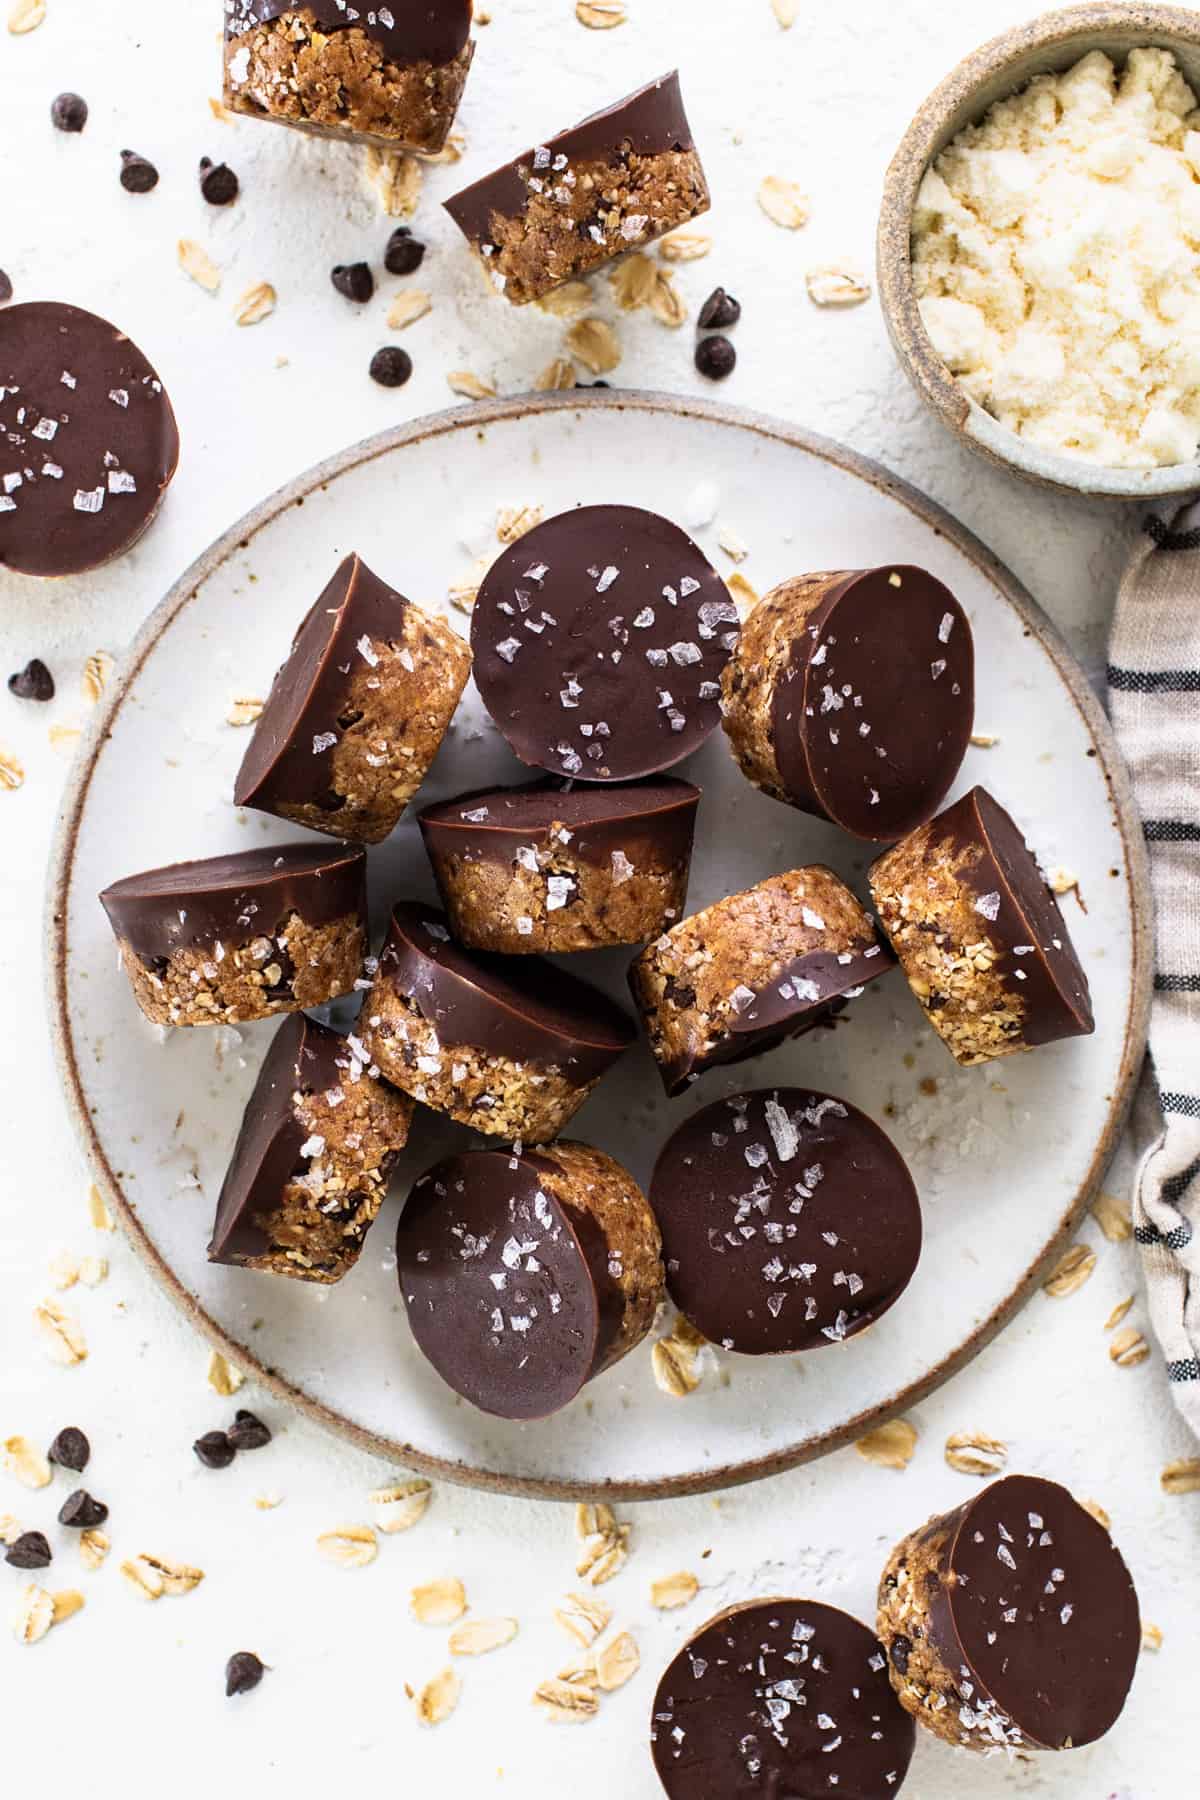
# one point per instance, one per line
(972, 1453)
(94, 1546)
(439, 1602)
(11, 773)
(512, 522)
(567, 301)
(350, 1546)
(1073, 1268)
(198, 265)
(784, 202)
(1152, 1637)
(257, 303)
(479, 1636)
(566, 1703)
(595, 344)
(33, 1615)
(1181, 1477)
(25, 16)
(223, 1377)
(600, 15)
(889, 1446)
(409, 306)
(64, 738)
(398, 1507)
(25, 1462)
(1098, 1513)
(66, 1603)
(1128, 1348)
(583, 1618)
(244, 710)
(731, 543)
(834, 285)
(786, 11)
(1118, 1312)
(633, 281)
(984, 740)
(1113, 1217)
(98, 1212)
(395, 180)
(670, 1591)
(666, 302)
(616, 1662)
(61, 1334)
(558, 375)
(96, 671)
(684, 246)
(471, 386)
(438, 1698)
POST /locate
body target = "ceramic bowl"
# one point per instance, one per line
(1055, 41)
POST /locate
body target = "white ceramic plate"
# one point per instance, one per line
(1006, 1157)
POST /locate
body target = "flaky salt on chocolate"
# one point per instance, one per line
(386, 75)
(551, 867)
(753, 970)
(851, 695)
(979, 935)
(1012, 1622)
(357, 712)
(310, 1169)
(526, 1275)
(613, 183)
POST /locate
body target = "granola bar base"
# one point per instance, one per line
(228, 984)
(593, 1183)
(752, 674)
(506, 906)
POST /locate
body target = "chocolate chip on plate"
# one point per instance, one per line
(70, 1449)
(248, 1432)
(715, 357)
(6, 288)
(243, 1672)
(218, 183)
(354, 280)
(404, 254)
(719, 311)
(391, 366)
(81, 1511)
(215, 1450)
(33, 682)
(138, 175)
(69, 112)
(29, 1551)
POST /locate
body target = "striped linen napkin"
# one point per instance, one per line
(1154, 700)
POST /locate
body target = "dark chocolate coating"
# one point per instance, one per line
(410, 31)
(190, 905)
(304, 1057)
(878, 697)
(780, 1700)
(522, 1007)
(653, 822)
(746, 1228)
(507, 1289)
(555, 617)
(649, 122)
(1038, 1609)
(60, 369)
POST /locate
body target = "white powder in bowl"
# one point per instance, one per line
(1056, 257)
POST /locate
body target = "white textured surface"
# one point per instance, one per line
(136, 1690)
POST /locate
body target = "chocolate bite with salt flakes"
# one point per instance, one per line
(599, 639)
(753, 970)
(525, 1275)
(88, 440)
(511, 1047)
(779, 1698)
(789, 1221)
(357, 713)
(242, 937)
(615, 182)
(979, 934)
(310, 1168)
(852, 696)
(549, 867)
(1011, 1623)
(391, 76)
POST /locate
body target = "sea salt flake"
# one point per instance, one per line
(324, 740)
(945, 628)
(365, 651)
(88, 500)
(507, 649)
(988, 905)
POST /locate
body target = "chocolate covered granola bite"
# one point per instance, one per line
(613, 183)
(979, 934)
(512, 1048)
(386, 75)
(357, 712)
(852, 696)
(779, 1698)
(599, 639)
(241, 937)
(310, 1169)
(526, 1275)
(789, 1221)
(753, 970)
(88, 440)
(1012, 1622)
(551, 867)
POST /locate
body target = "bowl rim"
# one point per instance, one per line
(1130, 26)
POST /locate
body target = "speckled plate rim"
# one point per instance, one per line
(474, 418)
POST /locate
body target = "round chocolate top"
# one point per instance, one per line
(88, 441)
(874, 711)
(1038, 1613)
(507, 1288)
(780, 1700)
(522, 1008)
(789, 1221)
(647, 822)
(650, 122)
(194, 904)
(410, 31)
(599, 640)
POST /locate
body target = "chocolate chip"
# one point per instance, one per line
(69, 112)
(70, 1449)
(715, 357)
(719, 311)
(33, 682)
(29, 1551)
(243, 1672)
(391, 366)
(81, 1511)
(215, 1450)
(355, 281)
(248, 1432)
(901, 1648)
(6, 288)
(137, 175)
(218, 183)
(404, 254)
